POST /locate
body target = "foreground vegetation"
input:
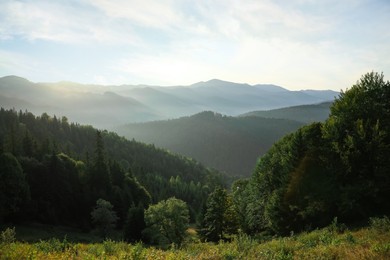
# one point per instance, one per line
(332, 242)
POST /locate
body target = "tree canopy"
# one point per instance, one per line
(338, 168)
(167, 221)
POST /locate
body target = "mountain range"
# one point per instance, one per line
(109, 106)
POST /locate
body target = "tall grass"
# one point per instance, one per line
(327, 243)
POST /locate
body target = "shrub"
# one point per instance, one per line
(380, 224)
(109, 246)
(8, 236)
(53, 245)
(336, 227)
(138, 252)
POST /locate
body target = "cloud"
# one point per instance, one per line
(146, 13)
(63, 22)
(15, 63)
(297, 43)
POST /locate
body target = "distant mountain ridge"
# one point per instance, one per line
(303, 113)
(107, 106)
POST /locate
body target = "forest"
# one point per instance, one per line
(332, 174)
(54, 172)
(228, 144)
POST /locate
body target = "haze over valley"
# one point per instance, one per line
(110, 106)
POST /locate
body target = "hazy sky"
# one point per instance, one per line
(298, 44)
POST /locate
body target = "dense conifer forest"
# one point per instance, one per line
(53, 172)
(228, 144)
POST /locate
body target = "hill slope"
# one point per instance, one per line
(304, 113)
(226, 143)
(34, 140)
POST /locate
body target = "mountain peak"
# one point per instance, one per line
(15, 78)
(217, 83)
(207, 114)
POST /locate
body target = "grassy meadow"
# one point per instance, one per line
(332, 242)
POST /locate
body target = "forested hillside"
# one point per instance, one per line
(229, 144)
(304, 113)
(53, 171)
(337, 170)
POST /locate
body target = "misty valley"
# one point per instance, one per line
(212, 170)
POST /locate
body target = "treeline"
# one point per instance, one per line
(332, 171)
(53, 172)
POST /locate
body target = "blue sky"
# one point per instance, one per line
(298, 44)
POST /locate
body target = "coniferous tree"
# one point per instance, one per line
(14, 189)
(214, 218)
(100, 179)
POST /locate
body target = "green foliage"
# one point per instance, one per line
(53, 245)
(359, 130)
(8, 236)
(135, 224)
(229, 144)
(304, 113)
(338, 168)
(213, 222)
(67, 167)
(14, 189)
(167, 221)
(99, 175)
(284, 192)
(103, 217)
(220, 218)
(380, 224)
(241, 199)
(337, 227)
(319, 244)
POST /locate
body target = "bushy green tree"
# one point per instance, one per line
(167, 221)
(359, 131)
(103, 217)
(284, 191)
(322, 171)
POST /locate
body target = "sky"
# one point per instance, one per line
(297, 44)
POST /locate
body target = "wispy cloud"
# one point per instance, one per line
(64, 22)
(297, 43)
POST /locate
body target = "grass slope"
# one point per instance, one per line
(365, 243)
